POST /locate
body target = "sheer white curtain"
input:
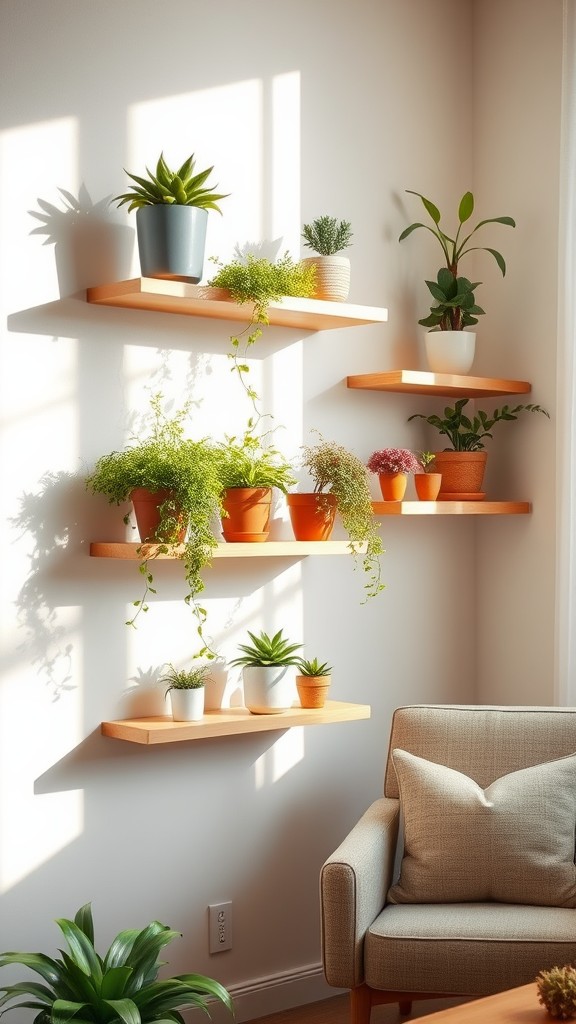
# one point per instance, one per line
(566, 383)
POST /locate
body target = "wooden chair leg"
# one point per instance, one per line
(360, 1005)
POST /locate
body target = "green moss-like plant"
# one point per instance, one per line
(327, 236)
(557, 991)
(120, 987)
(337, 471)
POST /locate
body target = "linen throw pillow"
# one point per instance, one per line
(512, 842)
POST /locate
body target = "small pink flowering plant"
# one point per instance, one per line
(393, 460)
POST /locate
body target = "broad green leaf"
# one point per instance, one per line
(83, 918)
(64, 1010)
(125, 1009)
(466, 207)
(114, 982)
(48, 969)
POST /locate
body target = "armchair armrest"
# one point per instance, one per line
(353, 886)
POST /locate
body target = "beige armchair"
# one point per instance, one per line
(475, 892)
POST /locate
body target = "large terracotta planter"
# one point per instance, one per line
(462, 475)
(311, 515)
(427, 485)
(248, 518)
(146, 505)
(393, 485)
(312, 690)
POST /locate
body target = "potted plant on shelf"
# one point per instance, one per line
(392, 466)
(327, 237)
(186, 689)
(265, 663)
(176, 481)
(428, 482)
(121, 985)
(449, 347)
(171, 219)
(248, 470)
(462, 465)
(341, 483)
(312, 682)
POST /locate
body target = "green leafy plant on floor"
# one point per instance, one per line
(178, 188)
(468, 434)
(456, 306)
(259, 281)
(188, 470)
(121, 987)
(327, 236)
(335, 470)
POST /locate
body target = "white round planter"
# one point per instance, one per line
(332, 277)
(268, 690)
(187, 705)
(450, 351)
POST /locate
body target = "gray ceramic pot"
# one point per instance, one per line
(171, 241)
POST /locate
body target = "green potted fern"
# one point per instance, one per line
(173, 484)
(265, 663)
(119, 987)
(171, 218)
(327, 237)
(249, 469)
(186, 689)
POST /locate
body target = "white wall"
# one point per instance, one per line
(304, 109)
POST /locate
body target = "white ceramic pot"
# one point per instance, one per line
(269, 689)
(450, 351)
(187, 705)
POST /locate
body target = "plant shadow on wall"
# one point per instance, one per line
(89, 245)
(45, 517)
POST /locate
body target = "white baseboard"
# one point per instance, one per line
(263, 996)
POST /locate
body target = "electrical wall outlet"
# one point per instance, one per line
(220, 926)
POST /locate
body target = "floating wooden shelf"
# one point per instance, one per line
(231, 722)
(270, 549)
(451, 508)
(422, 382)
(199, 300)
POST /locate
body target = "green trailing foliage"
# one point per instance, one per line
(183, 187)
(335, 470)
(327, 236)
(456, 306)
(121, 987)
(468, 434)
(268, 650)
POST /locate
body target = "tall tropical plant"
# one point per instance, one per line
(121, 987)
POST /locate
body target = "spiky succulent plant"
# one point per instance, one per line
(119, 988)
(557, 991)
(326, 235)
(268, 650)
(314, 668)
(180, 188)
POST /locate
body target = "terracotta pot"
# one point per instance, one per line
(427, 485)
(312, 515)
(462, 475)
(146, 505)
(393, 485)
(248, 518)
(312, 690)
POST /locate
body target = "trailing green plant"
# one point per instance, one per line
(267, 650)
(121, 987)
(188, 470)
(259, 281)
(456, 305)
(468, 434)
(185, 678)
(314, 667)
(327, 236)
(556, 989)
(337, 471)
(176, 188)
(246, 461)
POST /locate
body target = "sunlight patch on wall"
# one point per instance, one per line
(57, 142)
(285, 146)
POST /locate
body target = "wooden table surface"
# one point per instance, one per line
(515, 1006)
